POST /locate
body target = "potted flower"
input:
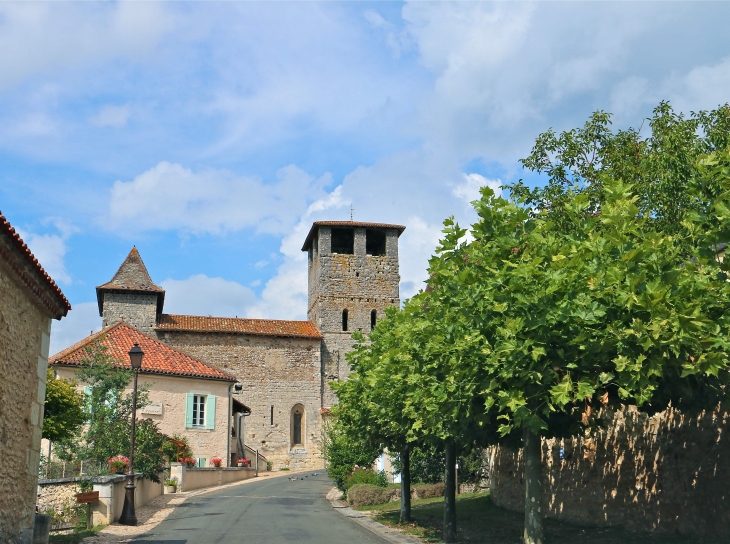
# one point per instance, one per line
(216, 462)
(269, 465)
(243, 462)
(189, 462)
(171, 485)
(118, 464)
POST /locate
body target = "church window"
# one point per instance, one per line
(373, 319)
(344, 320)
(343, 241)
(272, 414)
(374, 242)
(297, 426)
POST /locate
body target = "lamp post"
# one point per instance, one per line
(128, 516)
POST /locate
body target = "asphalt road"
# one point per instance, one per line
(270, 511)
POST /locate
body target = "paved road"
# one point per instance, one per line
(270, 511)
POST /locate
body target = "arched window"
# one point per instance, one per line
(344, 320)
(373, 319)
(297, 426)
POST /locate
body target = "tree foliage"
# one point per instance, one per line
(63, 411)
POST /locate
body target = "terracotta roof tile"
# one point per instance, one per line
(238, 325)
(354, 224)
(44, 288)
(159, 358)
(131, 276)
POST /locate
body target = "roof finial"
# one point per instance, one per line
(351, 210)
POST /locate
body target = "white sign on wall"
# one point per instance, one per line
(153, 409)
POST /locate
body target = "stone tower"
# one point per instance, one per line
(131, 296)
(353, 278)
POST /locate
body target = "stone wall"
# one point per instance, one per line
(668, 473)
(358, 283)
(167, 395)
(136, 309)
(58, 498)
(273, 371)
(24, 340)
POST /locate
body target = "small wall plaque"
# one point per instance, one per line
(153, 408)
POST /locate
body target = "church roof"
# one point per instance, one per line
(132, 276)
(344, 224)
(159, 358)
(29, 271)
(238, 325)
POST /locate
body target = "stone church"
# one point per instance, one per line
(284, 367)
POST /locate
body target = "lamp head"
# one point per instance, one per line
(135, 356)
(238, 387)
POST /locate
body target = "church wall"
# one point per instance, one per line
(136, 309)
(274, 371)
(24, 341)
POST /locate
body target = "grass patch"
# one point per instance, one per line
(480, 521)
(75, 537)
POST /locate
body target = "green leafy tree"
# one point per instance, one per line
(108, 411)
(341, 453)
(63, 411)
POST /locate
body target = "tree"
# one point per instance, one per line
(341, 453)
(609, 310)
(108, 412)
(63, 412)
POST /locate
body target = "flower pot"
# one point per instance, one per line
(170, 489)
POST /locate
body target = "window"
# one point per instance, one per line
(343, 241)
(198, 410)
(374, 242)
(344, 320)
(373, 319)
(297, 426)
(272, 414)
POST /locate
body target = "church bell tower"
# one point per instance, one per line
(353, 278)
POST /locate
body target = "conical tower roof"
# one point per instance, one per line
(132, 277)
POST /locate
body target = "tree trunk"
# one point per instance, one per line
(405, 485)
(450, 492)
(533, 489)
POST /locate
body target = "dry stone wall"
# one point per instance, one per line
(667, 473)
(24, 341)
(274, 372)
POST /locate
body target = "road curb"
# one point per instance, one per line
(383, 531)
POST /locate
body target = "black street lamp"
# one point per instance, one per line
(128, 516)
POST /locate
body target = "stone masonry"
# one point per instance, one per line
(28, 301)
(668, 473)
(284, 368)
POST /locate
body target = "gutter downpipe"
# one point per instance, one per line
(228, 430)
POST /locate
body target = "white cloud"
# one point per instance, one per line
(82, 320)
(52, 37)
(50, 249)
(111, 116)
(203, 295)
(170, 196)
(469, 190)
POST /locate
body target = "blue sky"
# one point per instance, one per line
(211, 134)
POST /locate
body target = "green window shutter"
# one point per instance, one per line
(210, 412)
(87, 398)
(188, 410)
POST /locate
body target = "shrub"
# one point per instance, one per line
(341, 454)
(365, 476)
(426, 491)
(366, 494)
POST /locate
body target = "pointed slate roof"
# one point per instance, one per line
(131, 277)
(159, 358)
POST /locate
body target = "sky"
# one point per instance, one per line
(211, 135)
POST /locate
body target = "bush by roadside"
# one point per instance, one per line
(367, 494)
(427, 491)
(365, 476)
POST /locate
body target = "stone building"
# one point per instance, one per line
(283, 367)
(29, 299)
